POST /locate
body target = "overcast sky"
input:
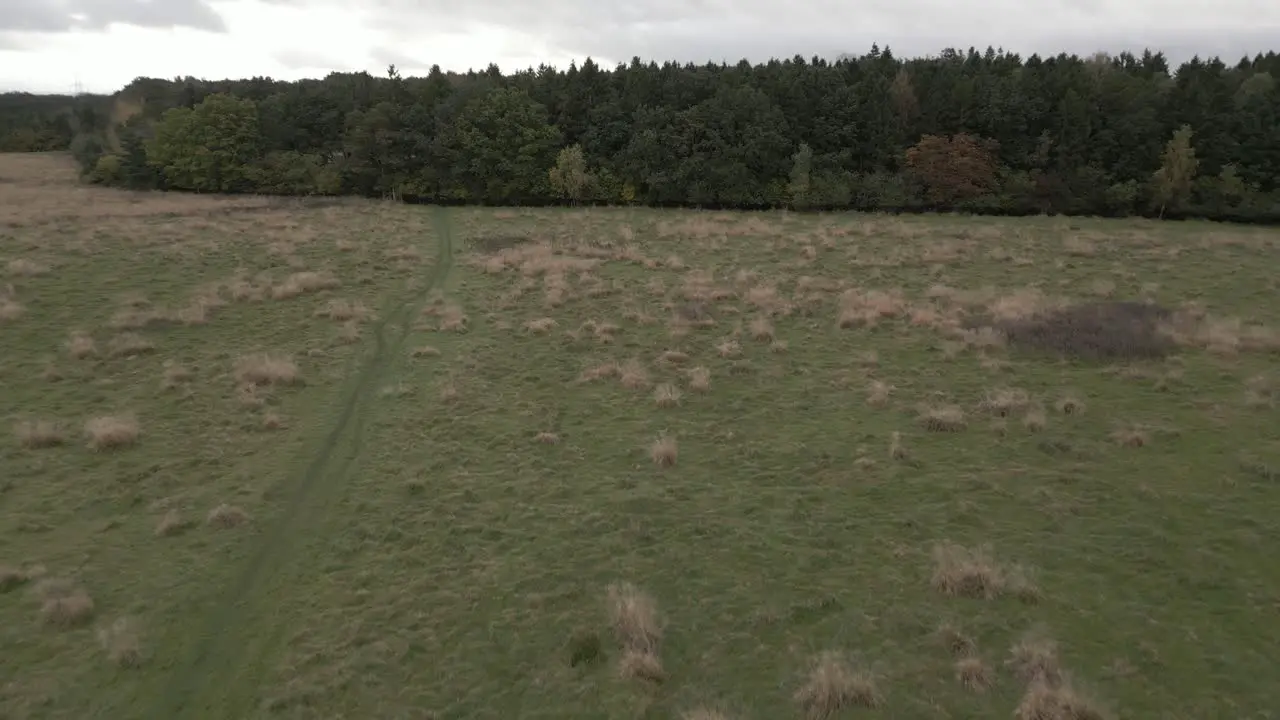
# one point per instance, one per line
(51, 45)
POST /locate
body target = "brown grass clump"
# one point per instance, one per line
(541, 326)
(634, 375)
(975, 675)
(943, 419)
(39, 434)
(121, 641)
(425, 351)
(896, 450)
(112, 432)
(1003, 402)
(10, 309)
(128, 345)
(172, 524)
(81, 345)
(603, 371)
(273, 421)
(546, 438)
(664, 451)
(226, 516)
(777, 347)
(638, 665)
(344, 310)
(1034, 658)
(761, 328)
(956, 642)
(729, 348)
(636, 625)
(961, 572)
(1070, 405)
(266, 369)
(23, 267)
(12, 578)
(449, 393)
(858, 308)
(1131, 437)
(63, 603)
(674, 357)
(452, 319)
(878, 393)
(666, 395)
(834, 685)
(1056, 702)
(300, 283)
(703, 714)
(1035, 419)
(699, 379)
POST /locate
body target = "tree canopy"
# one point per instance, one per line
(963, 130)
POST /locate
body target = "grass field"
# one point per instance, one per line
(282, 458)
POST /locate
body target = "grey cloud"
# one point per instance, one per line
(306, 59)
(64, 15)
(729, 30)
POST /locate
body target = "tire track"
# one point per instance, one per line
(203, 685)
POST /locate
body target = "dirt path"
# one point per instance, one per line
(227, 661)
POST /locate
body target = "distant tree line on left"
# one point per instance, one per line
(47, 123)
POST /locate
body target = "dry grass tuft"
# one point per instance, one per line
(858, 308)
(63, 603)
(674, 357)
(266, 369)
(666, 395)
(39, 434)
(112, 432)
(943, 419)
(120, 640)
(452, 319)
(777, 347)
(344, 310)
(761, 328)
(699, 379)
(878, 393)
(834, 685)
(956, 642)
(641, 665)
(603, 371)
(961, 572)
(10, 309)
(81, 345)
(1070, 405)
(634, 375)
(172, 524)
(273, 421)
(22, 267)
(547, 438)
(175, 375)
(1003, 402)
(226, 516)
(300, 283)
(128, 345)
(541, 326)
(1044, 701)
(426, 351)
(664, 451)
(1034, 658)
(703, 714)
(896, 450)
(975, 675)
(1035, 419)
(449, 393)
(634, 616)
(1131, 437)
(729, 348)
(12, 578)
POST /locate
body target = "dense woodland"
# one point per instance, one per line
(970, 131)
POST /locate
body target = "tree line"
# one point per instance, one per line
(988, 132)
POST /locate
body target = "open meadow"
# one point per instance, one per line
(336, 458)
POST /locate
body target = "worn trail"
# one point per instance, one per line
(230, 657)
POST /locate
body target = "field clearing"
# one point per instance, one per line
(316, 458)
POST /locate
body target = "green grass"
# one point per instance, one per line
(413, 548)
